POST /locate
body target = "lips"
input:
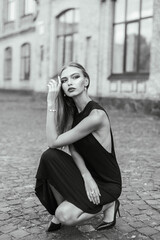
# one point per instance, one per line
(71, 89)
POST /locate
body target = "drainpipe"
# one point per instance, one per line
(99, 52)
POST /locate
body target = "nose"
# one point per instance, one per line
(69, 81)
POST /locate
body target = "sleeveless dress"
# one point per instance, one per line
(57, 168)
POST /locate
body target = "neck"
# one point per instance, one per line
(81, 101)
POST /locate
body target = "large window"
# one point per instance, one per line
(67, 30)
(132, 36)
(9, 10)
(8, 63)
(25, 61)
(28, 7)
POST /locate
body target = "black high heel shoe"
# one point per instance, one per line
(108, 225)
(53, 226)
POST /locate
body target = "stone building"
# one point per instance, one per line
(117, 42)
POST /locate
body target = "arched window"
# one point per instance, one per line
(25, 61)
(8, 63)
(67, 30)
(132, 36)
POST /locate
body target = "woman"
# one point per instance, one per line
(75, 187)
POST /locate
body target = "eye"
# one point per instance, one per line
(63, 80)
(75, 76)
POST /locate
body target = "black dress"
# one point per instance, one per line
(59, 169)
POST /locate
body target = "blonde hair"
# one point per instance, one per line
(66, 106)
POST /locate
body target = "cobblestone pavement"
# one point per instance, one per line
(22, 140)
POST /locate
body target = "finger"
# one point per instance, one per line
(94, 199)
(96, 196)
(88, 194)
(91, 197)
(97, 199)
(59, 80)
(52, 81)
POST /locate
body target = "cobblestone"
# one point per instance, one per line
(22, 131)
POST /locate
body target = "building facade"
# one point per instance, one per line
(116, 41)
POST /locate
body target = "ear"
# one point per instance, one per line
(86, 82)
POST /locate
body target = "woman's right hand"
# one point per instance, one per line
(53, 90)
(92, 189)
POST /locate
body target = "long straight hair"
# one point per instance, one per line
(66, 106)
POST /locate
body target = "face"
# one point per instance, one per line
(73, 81)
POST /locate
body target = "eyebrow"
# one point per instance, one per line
(70, 75)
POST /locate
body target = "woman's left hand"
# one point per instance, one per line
(92, 189)
(53, 90)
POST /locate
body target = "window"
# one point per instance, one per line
(28, 7)
(132, 36)
(8, 63)
(10, 10)
(67, 30)
(25, 61)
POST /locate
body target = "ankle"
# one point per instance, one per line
(109, 213)
(55, 220)
(108, 208)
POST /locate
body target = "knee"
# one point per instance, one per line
(48, 155)
(65, 216)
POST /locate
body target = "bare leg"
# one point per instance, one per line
(69, 214)
(57, 195)
(59, 200)
(109, 213)
(86, 216)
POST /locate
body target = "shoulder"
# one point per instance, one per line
(99, 117)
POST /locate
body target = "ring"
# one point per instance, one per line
(92, 192)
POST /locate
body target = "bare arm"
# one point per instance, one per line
(79, 161)
(90, 184)
(85, 127)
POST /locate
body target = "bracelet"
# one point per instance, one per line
(52, 110)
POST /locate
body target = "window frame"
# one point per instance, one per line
(24, 58)
(23, 10)
(6, 61)
(6, 11)
(65, 35)
(129, 74)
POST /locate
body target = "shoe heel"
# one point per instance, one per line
(119, 213)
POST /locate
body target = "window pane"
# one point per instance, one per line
(8, 53)
(118, 48)
(22, 68)
(8, 69)
(29, 6)
(60, 52)
(75, 42)
(23, 50)
(131, 48)
(27, 67)
(133, 9)
(145, 42)
(27, 50)
(76, 20)
(11, 10)
(147, 8)
(25, 61)
(8, 63)
(69, 22)
(120, 11)
(61, 25)
(68, 49)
